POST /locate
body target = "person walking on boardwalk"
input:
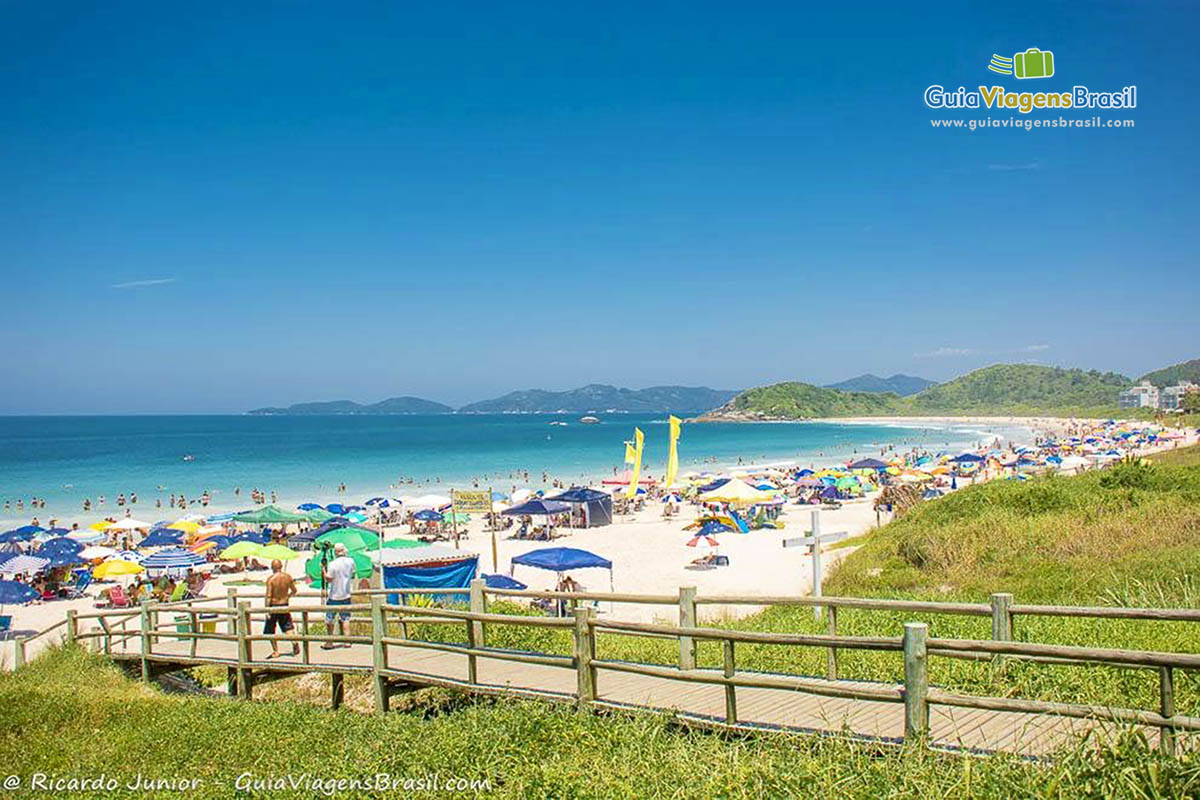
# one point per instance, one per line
(337, 576)
(280, 591)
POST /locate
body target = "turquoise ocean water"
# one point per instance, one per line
(65, 459)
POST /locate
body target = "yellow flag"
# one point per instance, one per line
(630, 453)
(672, 451)
(638, 441)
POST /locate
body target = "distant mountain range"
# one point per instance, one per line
(596, 398)
(393, 405)
(903, 385)
(1174, 374)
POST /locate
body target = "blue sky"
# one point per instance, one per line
(219, 208)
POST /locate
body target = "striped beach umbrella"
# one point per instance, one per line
(173, 558)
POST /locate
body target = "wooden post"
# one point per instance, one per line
(145, 625)
(379, 653)
(730, 690)
(195, 622)
(18, 653)
(1002, 617)
(585, 651)
(107, 636)
(231, 604)
(72, 625)
(1166, 707)
(337, 690)
(245, 690)
(687, 619)
(818, 578)
(304, 636)
(916, 683)
(478, 606)
(472, 659)
(831, 662)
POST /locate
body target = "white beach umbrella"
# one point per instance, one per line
(92, 553)
(130, 524)
(86, 536)
(428, 501)
(521, 495)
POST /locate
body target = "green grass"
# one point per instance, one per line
(71, 714)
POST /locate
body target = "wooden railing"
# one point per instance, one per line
(378, 624)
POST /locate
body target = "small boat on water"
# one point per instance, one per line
(561, 424)
(590, 420)
(189, 457)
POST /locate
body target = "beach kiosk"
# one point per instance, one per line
(428, 566)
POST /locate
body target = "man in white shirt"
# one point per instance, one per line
(337, 577)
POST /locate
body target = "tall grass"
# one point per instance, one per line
(72, 714)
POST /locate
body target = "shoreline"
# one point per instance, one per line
(505, 479)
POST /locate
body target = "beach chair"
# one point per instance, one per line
(117, 598)
(81, 585)
(5, 625)
(178, 593)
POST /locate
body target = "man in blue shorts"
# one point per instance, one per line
(337, 576)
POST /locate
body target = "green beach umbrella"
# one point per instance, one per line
(270, 515)
(363, 566)
(318, 515)
(275, 551)
(353, 538)
(456, 516)
(241, 550)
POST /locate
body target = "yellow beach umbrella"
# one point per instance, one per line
(187, 526)
(115, 566)
(103, 525)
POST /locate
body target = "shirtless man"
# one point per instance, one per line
(280, 590)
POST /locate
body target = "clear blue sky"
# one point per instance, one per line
(215, 208)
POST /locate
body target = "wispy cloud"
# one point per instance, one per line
(1032, 348)
(1015, 167)
(141, 284)
(946, 352)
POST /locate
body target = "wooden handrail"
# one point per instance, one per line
(757, 637)
(1067, 653)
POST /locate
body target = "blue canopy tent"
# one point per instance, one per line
(563, 559)
(597, 505)
(537, 507)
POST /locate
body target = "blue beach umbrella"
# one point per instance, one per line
(335, 508)
(503, 582)
(15, 535)
(62, 558)
(308, 506)
(24, 564)
(13, 593)
(162, 538)
(427, 515)
(60, 544)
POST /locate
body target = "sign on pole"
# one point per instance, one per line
(814, 542)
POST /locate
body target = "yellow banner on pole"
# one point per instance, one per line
(672, 451)
(471, 501)
(638, 441)
(630, 454)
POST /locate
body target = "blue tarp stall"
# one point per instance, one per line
(597, 505)
(427, 567)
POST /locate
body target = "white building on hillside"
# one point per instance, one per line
(1144, 395)
(1172, 396)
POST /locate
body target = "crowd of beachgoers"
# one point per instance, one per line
(736, 517)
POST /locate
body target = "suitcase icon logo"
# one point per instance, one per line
(1033, 63)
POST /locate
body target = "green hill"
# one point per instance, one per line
(998, 389)
(795, 400)
(1021, 388)
(1172, 375)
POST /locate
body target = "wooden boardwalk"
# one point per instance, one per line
(970, 729)
(168, 637)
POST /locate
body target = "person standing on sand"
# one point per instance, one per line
(337, 576)
(280, 591)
